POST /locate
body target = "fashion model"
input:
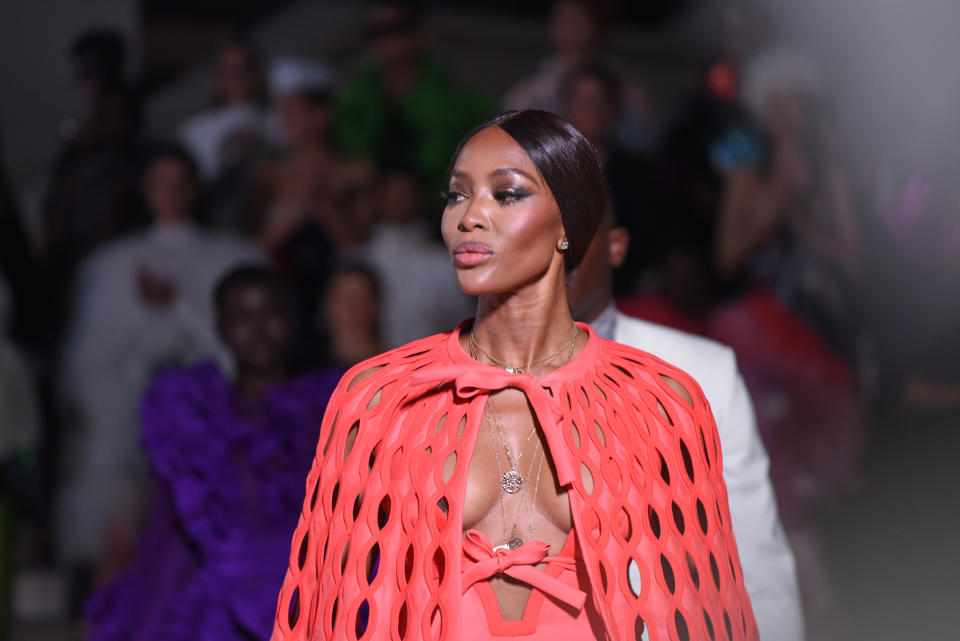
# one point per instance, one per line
(519, 477)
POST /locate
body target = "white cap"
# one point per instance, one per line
(776, 70)
(290, 75)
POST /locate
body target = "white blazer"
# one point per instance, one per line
(768, 566)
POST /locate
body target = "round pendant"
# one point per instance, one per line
(511, 482)
(513, 544)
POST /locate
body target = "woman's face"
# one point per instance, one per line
(352, 302)
(255, 326)
(170, 190)
(501, 224)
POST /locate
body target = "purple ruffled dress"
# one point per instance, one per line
(228, 493)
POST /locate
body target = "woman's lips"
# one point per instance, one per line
(470, 254)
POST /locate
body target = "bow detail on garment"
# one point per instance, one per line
(470, 381)
(518, 564)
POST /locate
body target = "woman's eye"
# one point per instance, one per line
(508, 196)
(451, 197)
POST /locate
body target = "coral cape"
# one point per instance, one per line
(377, 553)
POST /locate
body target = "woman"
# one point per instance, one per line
(228, 459)
(350, 314)
(520, 476)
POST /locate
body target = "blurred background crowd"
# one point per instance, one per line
(250, 192)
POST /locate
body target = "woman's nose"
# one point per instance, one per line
(474, 215)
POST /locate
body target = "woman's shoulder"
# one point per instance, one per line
(179, 408)
(202, 382)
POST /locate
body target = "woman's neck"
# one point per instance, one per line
(523, 328)
(253, 385)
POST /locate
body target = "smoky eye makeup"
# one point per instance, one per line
(453, 194)
(510, 194)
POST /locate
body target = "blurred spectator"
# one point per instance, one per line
(577, 30)
(19, 412)
(225, 134)
(309, 201)
(141, 302)
(420, 292)
(310, 183)
(92, 194)
(403, 107)
(792, 221)
(30, 319)
(592, 101)
(228, 457)
(351, 314)
(19, 436)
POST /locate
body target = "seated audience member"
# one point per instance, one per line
(403, 106)
(577, 31)
(592, 100)
(223, 135)
(141, 302)
(92, 193)
(768, 565)
(351, 315)
(21, 491)
(420, 294)
(309, 201)
(792, 224)
(228, 458)
(309, 184)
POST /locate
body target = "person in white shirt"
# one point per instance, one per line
(224, 134)
(578, 30)
(140, 303)
(420, 294)
(768, 565)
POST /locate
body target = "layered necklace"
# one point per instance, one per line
(512, 481)
(511, 538)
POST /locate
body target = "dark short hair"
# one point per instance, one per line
(170, 151)
(595, 70)
(247, 275)
(348, 267)
(101, 53)
(569, 165)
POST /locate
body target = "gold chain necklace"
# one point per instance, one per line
(509, 539)
(511, 481)
(569, 344)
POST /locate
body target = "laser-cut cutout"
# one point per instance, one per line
(634, 578)
(587, 478)
(600, 435)
(668, 576)
(683, 632)
(709, 623)
(302, 556)
(692, 569)
(678, 519)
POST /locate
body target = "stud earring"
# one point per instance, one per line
(564, 244)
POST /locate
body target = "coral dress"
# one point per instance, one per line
(654, 549)
(227, 493)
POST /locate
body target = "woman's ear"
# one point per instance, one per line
(618, 243)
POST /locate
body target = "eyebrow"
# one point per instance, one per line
(507, 171)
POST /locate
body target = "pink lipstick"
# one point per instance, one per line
(472, 253)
